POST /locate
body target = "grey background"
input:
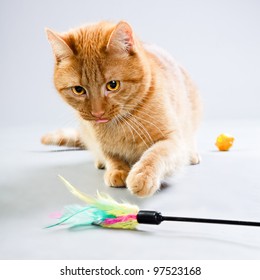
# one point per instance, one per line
(217, 41)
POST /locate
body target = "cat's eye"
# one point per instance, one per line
(78, 90)
(113, 85)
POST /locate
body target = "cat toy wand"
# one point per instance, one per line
(104, 211)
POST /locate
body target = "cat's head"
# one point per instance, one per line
(100, 70)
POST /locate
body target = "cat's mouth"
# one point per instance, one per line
(96, 120)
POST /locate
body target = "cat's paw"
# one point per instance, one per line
(142, 181)
(99, 164)
(63, 137)
(116, 178)
(195, 159)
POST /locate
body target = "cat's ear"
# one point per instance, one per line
(121, 39)
(60, 48)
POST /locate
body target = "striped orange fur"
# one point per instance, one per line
(144, 130)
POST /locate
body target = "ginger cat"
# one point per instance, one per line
(138, 109)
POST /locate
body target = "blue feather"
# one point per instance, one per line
(75, 215)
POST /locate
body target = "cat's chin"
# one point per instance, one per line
(102, 121)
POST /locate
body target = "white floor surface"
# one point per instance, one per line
(225, 185)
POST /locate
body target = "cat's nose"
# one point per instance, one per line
(97, 114)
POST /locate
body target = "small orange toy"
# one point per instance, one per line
(224, 142)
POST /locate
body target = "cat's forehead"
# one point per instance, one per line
(94, 63)
(88, 44)
(90, 41)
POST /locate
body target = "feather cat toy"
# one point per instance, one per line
(105, 212)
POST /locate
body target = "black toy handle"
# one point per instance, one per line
(149, 217)
(155, 218)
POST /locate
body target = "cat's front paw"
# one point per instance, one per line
(115, 178)
(142, 181)
(100, 164)
(195, 159)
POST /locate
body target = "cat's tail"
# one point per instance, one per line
(67, 137)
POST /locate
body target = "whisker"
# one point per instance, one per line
(118, 121)
(151, 124)
(145, 120)
(124, 121)
(144, 111)
(135, 127)
(132, 126)
(138, 123)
